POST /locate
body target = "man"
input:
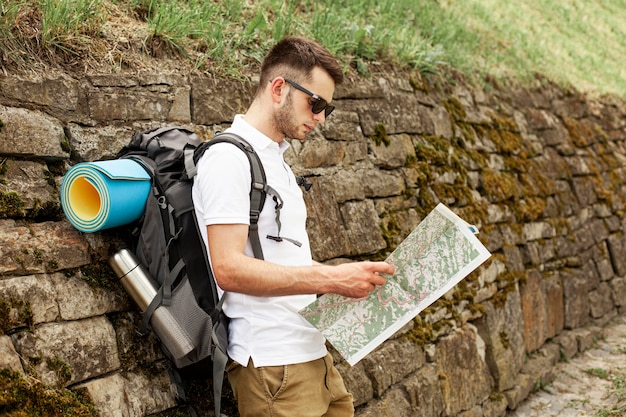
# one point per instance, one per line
(280, 364)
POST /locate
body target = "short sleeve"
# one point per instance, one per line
(223, 183)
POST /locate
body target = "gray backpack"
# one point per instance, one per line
(169, 246)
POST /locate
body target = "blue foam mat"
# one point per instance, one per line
(104, 194)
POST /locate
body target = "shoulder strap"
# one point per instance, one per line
(258, 190)
(220, 359)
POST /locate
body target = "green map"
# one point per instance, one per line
(440, 252)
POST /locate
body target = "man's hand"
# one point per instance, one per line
(358, 279)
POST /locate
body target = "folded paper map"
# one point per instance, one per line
(440, 252)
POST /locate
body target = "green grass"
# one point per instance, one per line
(66, 23)
(598, 372)
(575, 41)
(617, 391)
(581, 43)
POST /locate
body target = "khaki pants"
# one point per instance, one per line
(310, 389)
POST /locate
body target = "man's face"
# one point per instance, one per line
(295, 118)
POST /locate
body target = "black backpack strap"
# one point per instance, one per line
(278, 205)
(163, 296)
(258, 190)
(190, 166)
(220, 359)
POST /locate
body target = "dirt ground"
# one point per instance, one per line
(592, 384)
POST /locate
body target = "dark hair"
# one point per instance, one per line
(295, 57)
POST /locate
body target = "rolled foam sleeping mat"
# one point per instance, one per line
(104, 194)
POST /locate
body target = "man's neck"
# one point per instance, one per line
(258, 119)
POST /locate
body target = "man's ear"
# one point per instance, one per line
(277, 89)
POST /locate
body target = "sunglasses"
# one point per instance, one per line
(319, 104)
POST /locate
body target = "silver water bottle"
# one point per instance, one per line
(140, 286)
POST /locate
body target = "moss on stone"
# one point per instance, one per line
(458, 167)
(500, 186)
(529, 209)
(4, 166)
(463, 292)
(30, 398)
(431, 155)
(99, 274)
(503, 122)
(476, 308)
(424, 173)
(579, 133)
(11, 205)
(455, 109)
(380, 135)
(426, 201)
(421, 333)
(499, 298)
(129, 343)
(52, 265)
(615, 181)
(473, 155)
(476, 213)
(453, 194)
(418, 84)
(516, 164)
(410, 161)
(468, 132)
(42, 211)
(38, 255)
(496, 396)
(600, 133)
(534, 182)
(49, 177)
(65, 145)
(506, 284)
(602, 192)
(390, 230)
(504, 340)
(408, 193)
(15, 313)
(610, 160)
(62, 370)
(440, 143)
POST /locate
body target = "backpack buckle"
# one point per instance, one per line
(254, 216)
(302, 182)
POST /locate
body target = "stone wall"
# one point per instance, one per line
(541, 171)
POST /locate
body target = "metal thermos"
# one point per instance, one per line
(140, 286)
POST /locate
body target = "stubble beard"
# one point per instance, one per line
(283, 121)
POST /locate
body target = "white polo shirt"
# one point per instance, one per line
(267, 329)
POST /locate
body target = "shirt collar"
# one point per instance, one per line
(253, 136)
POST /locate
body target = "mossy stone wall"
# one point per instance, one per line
(541, 171)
